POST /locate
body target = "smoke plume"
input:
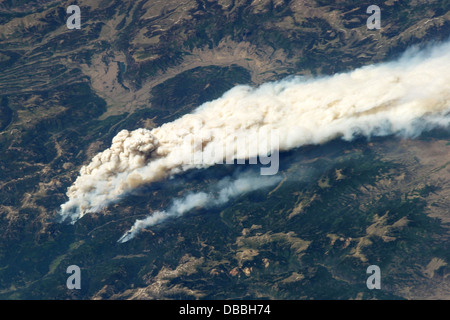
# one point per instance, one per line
(403, 97)
(221, 193)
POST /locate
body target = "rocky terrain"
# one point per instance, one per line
(64, 94)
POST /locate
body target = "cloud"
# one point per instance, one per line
(219, 194)
(403, 97)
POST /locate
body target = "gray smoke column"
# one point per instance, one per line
(220, 194)
(403, 97)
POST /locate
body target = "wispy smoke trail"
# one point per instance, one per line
(221, 193)
(404, 97)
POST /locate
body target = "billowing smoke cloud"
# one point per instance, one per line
(404, 97)
(225, 190)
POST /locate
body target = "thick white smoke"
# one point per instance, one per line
(225, 190)
(403, 97)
